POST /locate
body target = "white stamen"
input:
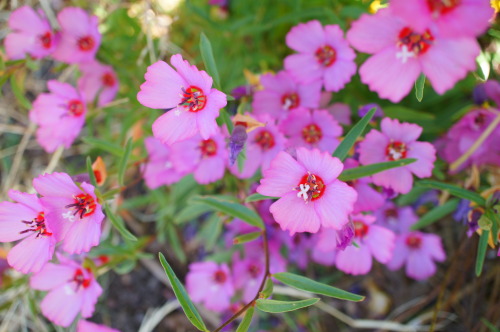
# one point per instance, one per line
(304, 188)
(68, 290)
(404, 54)
(177, 111)
(288, 103)
(68, 216)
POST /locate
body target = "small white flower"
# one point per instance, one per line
(404, 54)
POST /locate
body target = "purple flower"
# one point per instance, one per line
(363, 110)
(237, 142)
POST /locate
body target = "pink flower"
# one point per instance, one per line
(211, 284)
(312, 129)
(80, 38)
(26, 220)
(341, 113)
(159, 169)
(248, 275)
(368, 198)
(72, 290)
(98, 80)
(310, 193)
(86, 326)
(401, 54)
(449, 16)
(323, 55)
(397, 141)
(396, 218)
(281, 95)
(206, 158)
(59, 114)
(31, 34)
(74, 210)
(188, 97)
(372, 240)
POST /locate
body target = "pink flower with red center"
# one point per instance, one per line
(31, 34)
(211, 284)
(60, 115)
(73, 209)
(310, 193)
(373, 242)
(312, 129)
(396, 218)
(72, 289)
(26, 221)
(449, 16)
(281, 95)
(397, 141)
(86, 326)
(159, 169)
(187, 95)
(401, 54)
(98, 81)
(323, 54)
(369, 199)
(248, 275)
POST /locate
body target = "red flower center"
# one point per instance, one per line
(311, 187)
(86, 43)
(312, 133)
(253, 270)
(80, 280)
(265, 140)
(360, 229)
(46, 40)
(193, 98)
(396, 150)
(290, 101)
(75, 107)
(480, 120)
(391, 213)
(208, 148)
(442, 6)
(108, 79)
(326, 55)
(414, 241)
(220, 277)
(36, 225)
(84, 205)
(413, 44)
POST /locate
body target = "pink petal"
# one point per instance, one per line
(62, 304)
(339, 74)
(335, 204)
(82, 235)
(28, 200)
(55, 184)
(399, 179)
(476, 13)
(206, 117)
(11, 217)
(354, 260)
(425, 153)
(18, 44)
(304, 67)
(170, 127)
(416, 13)
(400, 253)
(51, 276)
(368, 198)
(309, 94)
(381, 242)
(294, 215)
(327, 122)
(52, 136)
(27, 20)
(31, 254)
(90, 297)
(75, 21)
(210, 170)
(432, 245)
(372, 149)
(320, 163)
(402, 132)
(283, 175)
(420, 266)
(85, 326)
(64, 90)
(191, 74)
(306, 37)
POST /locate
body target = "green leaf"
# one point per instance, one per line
(274, 306)
(419, 87)
(91, 172)
(190, 212)
(481, 251)
(235, 210)
(437, 213)
(240, 160)
(258, 197)
(345, 146)
(453, 190)
(117, 222)
(209, 60)
(247, 320)
(268, 289)
(181, 294)
(18, 91)
(363, 171)
(313, 286)
(123, 161)
(490, 326)
(226, 119)
(104, 145)
(248, 237)
(175, 242)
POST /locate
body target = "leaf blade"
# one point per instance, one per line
(118, 224)
(209, 60)
(247, 320)
(123, 162)
(367, 170)
(419, 87)
(343, 149)
(274, 306)
(435, 214)
(481, 251)
(454, 190)
(258, 197)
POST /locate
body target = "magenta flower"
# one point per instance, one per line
(368, 198)
(31, 34)
(74, 210)
(397, 141)
(72, 288)
(26, 220)
(341, 113)
(323, 54)
(86, 326)
(248, 275)
(401, 54)
(99, 81)
(211, 284)
(80, 38)
(396, 218)
(372, 240)
(60, 115)
(159, 169)
(312, 129)
(187, 95)
(281, 94)
(310, 193)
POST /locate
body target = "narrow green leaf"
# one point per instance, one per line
(175, 243)
(453, 190)
(345, 146)
(490, 326)
(247, 320)
(419, 87)
(181, 294)
(481, 251)
(313, 286)
(91, 172)
(268, 289)
(274, 306)
(104, 145)
(258, 197)
(117, 222)
(436, 214)
(235, 210)
(18, 92)
(226, 119)
(123, 161)
(208, 59)
(190, 212)
(248, 237)
(363, 171)
(240, 160)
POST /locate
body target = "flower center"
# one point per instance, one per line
(391, 213)
(413, 44)
(414, 241)
(46, 40)
(75, 107)
(360, 229)
(396, 150)
(37, 225)
(311, 187)
(108, 79)
(480, 120)
(86, 43)
(84, 205)
(438, 7)
(265, 140)
(290, 101)
(326, 55)
(193, 98)
(208, 148)
(312, 133)
(220, 276)
(253, 270)
(80, 279)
